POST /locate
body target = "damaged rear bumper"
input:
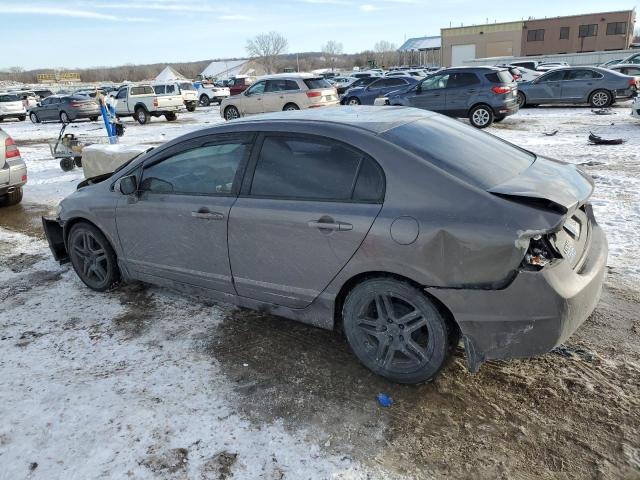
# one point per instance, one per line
(54, 232)
(535, 313)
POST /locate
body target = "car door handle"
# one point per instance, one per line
(339, 226)
(207, 215)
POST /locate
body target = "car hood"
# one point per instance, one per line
(562, 184)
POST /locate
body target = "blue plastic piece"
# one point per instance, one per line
(385, 400)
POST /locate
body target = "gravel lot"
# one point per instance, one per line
(144, 383)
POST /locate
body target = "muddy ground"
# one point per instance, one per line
(573, 413)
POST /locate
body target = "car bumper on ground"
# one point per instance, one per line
(535, 313)
(54, 231)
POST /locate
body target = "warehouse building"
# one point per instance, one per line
(572, 34)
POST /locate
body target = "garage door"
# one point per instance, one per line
(460, 53)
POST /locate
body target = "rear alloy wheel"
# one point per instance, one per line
(92, 257)
(395, 330)
(64, 117)
(353, 101)
(231, 113)
(290, 107)
(600, 99)
(481, 116)
(142, 116)
(522, 100)
(34, 118)
(204, 100)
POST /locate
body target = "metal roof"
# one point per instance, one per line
(420, 43)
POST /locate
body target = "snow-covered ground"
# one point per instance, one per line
(145, 383)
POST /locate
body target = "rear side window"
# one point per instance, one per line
(316, 83)
(396, 82)
(144, 90)
(315, 169)
(583, 75)
(187, 86)
(9, 98)
(476, 157)
(281, 86)
(159, 89)
(503, 76)
(462, 79)
(208, 170)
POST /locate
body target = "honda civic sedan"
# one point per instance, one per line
(404, 229)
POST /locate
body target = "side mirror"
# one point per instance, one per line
(128, 185)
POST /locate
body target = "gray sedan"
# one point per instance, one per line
(65, 109)
(402, 228)
(599, 87)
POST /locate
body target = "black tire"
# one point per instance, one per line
(14, 197)
(481, 116)
(205, 101)
(191, 107)
(142, 116)
(92, 257)
(352, 101)
(171, 117)
(231, 113)
(34, 117)
(78, 162)
(67, 164)
(119, 129)
(395, 330)
(289, 107)
(522, 100)
(22, 118)
(64, 117)
(600, 99)
(93, 119)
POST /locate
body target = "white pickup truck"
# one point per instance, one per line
(141, 102)
(209, 93)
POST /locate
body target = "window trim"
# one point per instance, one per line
(587, 27)
(616, 24)
(192, 144)
(245, 190)
(535, 31)
(568, 30)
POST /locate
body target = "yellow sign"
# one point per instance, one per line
(46, 77)
(69, 77)
(58, 77)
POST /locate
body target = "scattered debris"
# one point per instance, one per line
(603, 111)
(33, 466)
(219, 466)
(572, 352)
(385, 400)
(597, 140)
(550, 134)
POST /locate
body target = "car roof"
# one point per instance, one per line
(375, 119)
(295, 75)
(487, 67)
(623, 65)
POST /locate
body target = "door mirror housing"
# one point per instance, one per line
(128, 185)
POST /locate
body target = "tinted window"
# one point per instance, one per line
(256, 88)
(379, 84)
(144, 90)
(171, 89)
(396, 82)
(208, 170)
(564, 33)
(159, 89)
(471, 155)
(281, 85)
(306, 168)
(503, 76)
(122, 93)
(435, 82)
(583, 75)
(370, 183)
(187, 86)
(315, 83)
(552, 77)
(462, 79)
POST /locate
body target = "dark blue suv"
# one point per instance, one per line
(481, 94)
(367, 94)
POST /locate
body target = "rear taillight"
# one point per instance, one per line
(75, 104)
(24, 178)
(10, 148)
(313, 94)
(633, 82)
(155, 102)
(501, 90)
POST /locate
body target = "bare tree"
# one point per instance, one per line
(385, 53)
(331, 51)
(265, 48)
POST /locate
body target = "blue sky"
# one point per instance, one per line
(82, 33)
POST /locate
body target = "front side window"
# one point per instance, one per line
(435, 82)
(257, 88)
(588, 30)
(207, 170)
(535, 35)
(377, 85)
(616, 28)
(311, 168)
(122, 93)
(564, 33)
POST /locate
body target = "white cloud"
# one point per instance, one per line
(66, 12)
(367, 7)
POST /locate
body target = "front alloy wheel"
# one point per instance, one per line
(231, 113)
(92, 257)
(395, 330)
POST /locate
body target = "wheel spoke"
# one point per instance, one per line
(383, 347)
(409, 317)
(368, 324)
(415, 325)
(388, 358)
(99, 272)
(380, 308)
(414, 351)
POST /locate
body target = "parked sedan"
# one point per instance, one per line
(631, 69)
(402, 228)
(599, 87)
(285, 91)
(482, 94)
(366, 95)
(65, 109)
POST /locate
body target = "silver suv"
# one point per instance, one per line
(13, 171)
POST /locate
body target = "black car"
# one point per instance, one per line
(357, 82)
(482, 94)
